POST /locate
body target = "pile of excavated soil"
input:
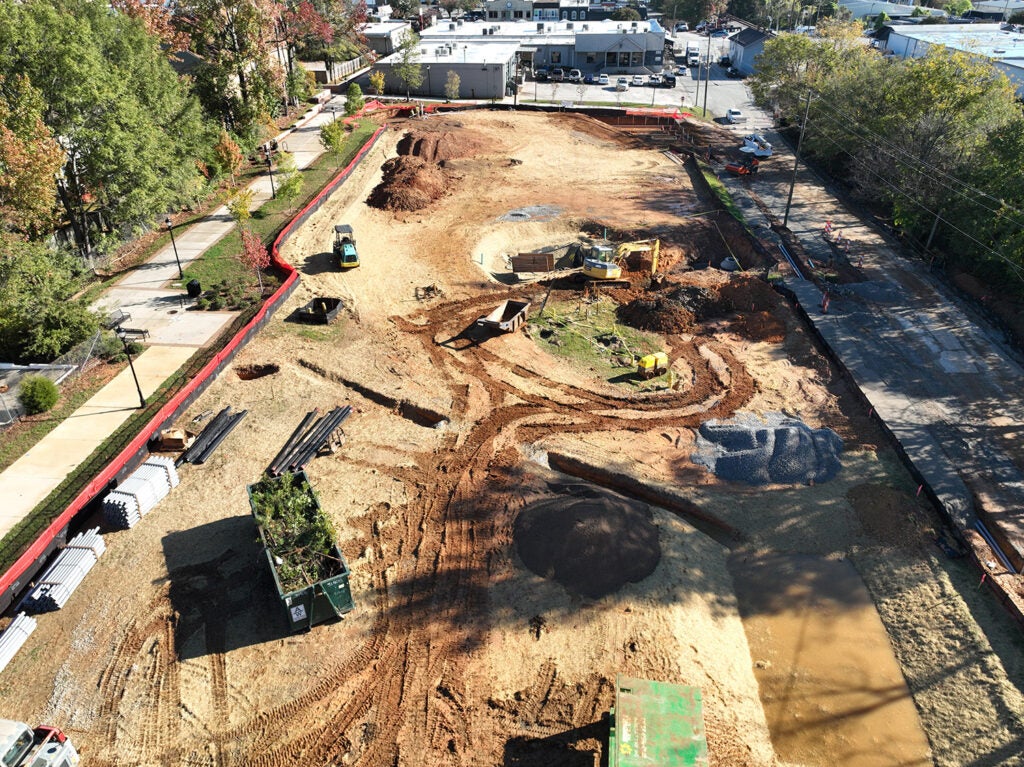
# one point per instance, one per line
(660, 314)
(760, 326)
(439, 145)
(591, 541)
(774, 450)
(409, 183)
(745, 292)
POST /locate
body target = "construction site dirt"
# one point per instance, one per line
(478, 637)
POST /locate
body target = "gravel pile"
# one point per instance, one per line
(775, 449)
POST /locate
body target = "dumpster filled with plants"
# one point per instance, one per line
(309, 570)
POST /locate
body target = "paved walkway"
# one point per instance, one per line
(944, 383)
(154, 297)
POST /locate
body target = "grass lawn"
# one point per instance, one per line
(590, 334)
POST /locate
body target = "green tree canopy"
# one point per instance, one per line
(408, 68)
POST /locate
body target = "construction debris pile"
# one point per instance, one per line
(774, 449)
(67, 572)
(590, 540)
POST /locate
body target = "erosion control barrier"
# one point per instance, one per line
(32, 559)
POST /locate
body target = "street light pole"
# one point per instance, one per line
(170, 228)
(707, 79)
(270, 169)
(128, 354)
(796, 163)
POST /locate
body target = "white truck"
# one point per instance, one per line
(692, 54)
(22, 746)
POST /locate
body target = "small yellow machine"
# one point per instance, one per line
(652, 365)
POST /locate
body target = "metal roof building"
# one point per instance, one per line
(1004, 47)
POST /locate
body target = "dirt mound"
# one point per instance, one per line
(660, 314)
(746, 292)
(589, 540)
(409, 183)
(760, 326)
(440, 145)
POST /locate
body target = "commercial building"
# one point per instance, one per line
(485, 70)
(1004, 47)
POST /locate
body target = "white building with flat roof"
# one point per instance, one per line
(485, 70)
(1003, 47)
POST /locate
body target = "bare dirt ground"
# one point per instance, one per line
(458, 653)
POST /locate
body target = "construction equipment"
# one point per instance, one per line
(639, 252)
(319, 311)
(652, 365)
(507, 318)
(748, 167)
(345, 246)
(44, 746)
(757, 145)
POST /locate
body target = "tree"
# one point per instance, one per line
(332, 137)
(254, 255)
(408, 68)
(958, 7)
(41, 316)
(405, 9)
(240, 206)
(625, 14)
(354, 101)
(158, 21)
(290, 180)
(880, 21)
(30, 158)
(377, 82)
(38, 394)
(129, 128)
(452, 85)
(228, 155)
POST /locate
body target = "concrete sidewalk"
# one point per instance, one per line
(154, 297)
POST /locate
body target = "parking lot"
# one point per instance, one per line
(723, 92)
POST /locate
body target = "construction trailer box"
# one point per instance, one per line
(656, 723)
(309, 570)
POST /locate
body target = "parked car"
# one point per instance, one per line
(725, 61)
(622, 84)
(734, 72)
(720, 33)
(654, 80)
(637, 80)
(557, 75)
(683, 71)
(575, 76)
(602, 79)
(733, 116)
(589, 78)
(682, 26)
(669, 80)
(541, 75)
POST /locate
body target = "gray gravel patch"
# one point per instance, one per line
(767, 450)
(532, 213)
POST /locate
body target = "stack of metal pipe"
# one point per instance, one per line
(130, 501)
(14, 637)
(68, 570)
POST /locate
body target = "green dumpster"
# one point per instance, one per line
(310, 572)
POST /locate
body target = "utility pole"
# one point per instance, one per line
(707, 78)
(796, 162)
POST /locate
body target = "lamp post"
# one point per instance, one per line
(124, 340)
(429, 89)
(270, 168)
(170, 228)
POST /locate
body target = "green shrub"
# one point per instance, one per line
(109, 347)
(38, 394)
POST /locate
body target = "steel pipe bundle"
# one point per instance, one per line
(211, 437)
(14, 637)
(307, 440)
(57, 584)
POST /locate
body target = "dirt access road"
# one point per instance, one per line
(461, 458)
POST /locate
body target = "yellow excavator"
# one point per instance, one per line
(604, 264)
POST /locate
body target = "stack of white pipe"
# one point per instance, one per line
(167, 464)
(14, 637)
(138, 494)
(57, 584)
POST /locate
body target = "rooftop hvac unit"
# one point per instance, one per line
(442, 51)
(451, 26)
(569, 25)
(540, 26)
(634, 25)
(586, 27)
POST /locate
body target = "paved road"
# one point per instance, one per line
(944, 383)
